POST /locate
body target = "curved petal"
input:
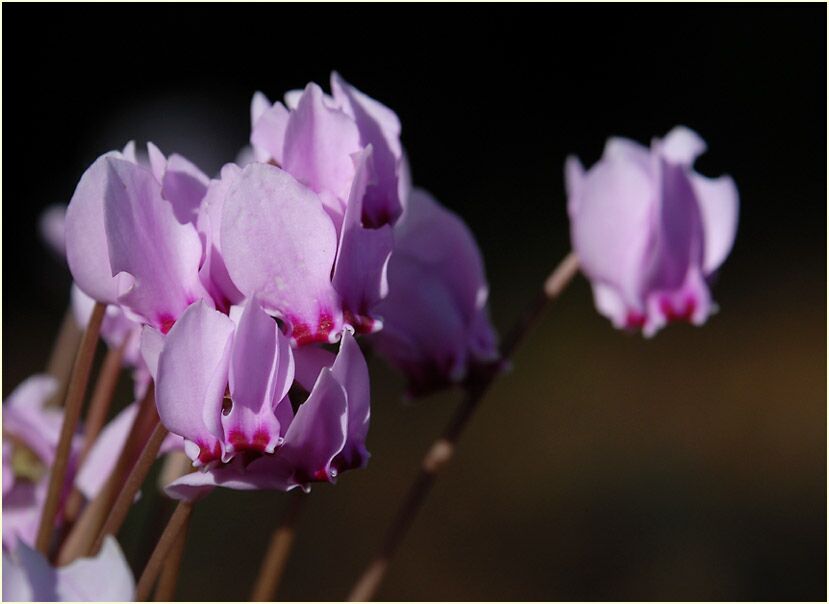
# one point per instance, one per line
(106, 577)
(678, 244)
(87, 250)
(379, 127)
(213, 273)
(261, 363)
(184, 186)
(279, 244)
(436, 282)
(268, 133)
(351, 371)
(682, 146)
(319, 142)
(26, 417)
(27, 576)
(192, 378)
(611, 230)
(103, 455)
(362, 258)
(719, 204)
(573, 179)
(317, 433)
(147, 242)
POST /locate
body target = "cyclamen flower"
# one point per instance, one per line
(309, 232)
(315, 137)
(28, 576)
(131, 238)
(222, 384)
(436, 324)
(31, 431)
(649, 231)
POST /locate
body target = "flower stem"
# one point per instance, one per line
(86, 529)
(96, 416)
(166, 588)
(71, 415)
(136, 477)
(442, 450)
(279, 550)
(63, 354)
(178, 521)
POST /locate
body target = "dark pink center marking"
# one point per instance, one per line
(166, 322)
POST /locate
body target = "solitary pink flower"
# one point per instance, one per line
(435, 319)
(28, 576)
(649, 231)
(222, 385)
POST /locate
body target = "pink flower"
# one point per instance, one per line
(31, 431)
(131, 238)
(649, 231)
(315, 137)
(435, 320)
(222, 385)
(28, 576)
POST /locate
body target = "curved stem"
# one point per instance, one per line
(71, 415)
(279, 550)
(443, 449)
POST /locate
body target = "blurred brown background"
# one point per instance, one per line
(604, 466)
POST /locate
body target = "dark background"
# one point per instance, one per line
(605, 466)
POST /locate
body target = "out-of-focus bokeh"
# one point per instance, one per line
(604, 466)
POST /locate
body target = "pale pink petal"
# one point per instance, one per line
(261, 363)
(719, 204)
(319, 142)
(268, 133)
(279, 244)
(87, 249)
(213, 273)
(184, 186)
(147, 242)
(363, 255)
(192, 379)
(379, 127)
(27, 576)
(682, 146)
(104, 578)
(351, 371)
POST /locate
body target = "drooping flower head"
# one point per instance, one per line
(131, 238)
(307, 228)
(649, 231)
(436, 320)
(222, 385)
(31, 431)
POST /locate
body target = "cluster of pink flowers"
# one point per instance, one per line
(242, 299)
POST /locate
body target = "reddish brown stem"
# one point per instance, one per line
(136, 477)
(63, 355)
(178, 521)
(279, 550)
(166, 588)
(71, 414)
(443, 448)
(89, 524)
